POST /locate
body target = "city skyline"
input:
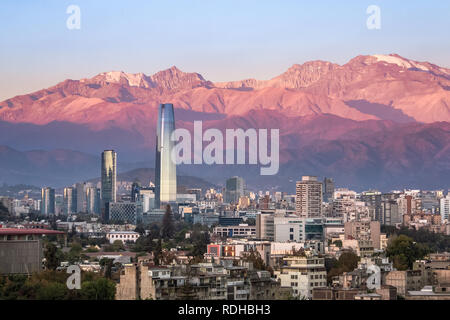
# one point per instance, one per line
(232, 153)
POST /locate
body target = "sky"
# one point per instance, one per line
(222, 40)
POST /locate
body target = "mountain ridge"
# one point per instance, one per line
(418, 90)
(376, 121)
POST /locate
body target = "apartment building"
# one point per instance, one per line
(303, 274)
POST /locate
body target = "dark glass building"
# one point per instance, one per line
(109, 175)
(48, 201)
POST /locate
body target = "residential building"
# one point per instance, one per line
(303, 274)
(308, 202)
(445, 208)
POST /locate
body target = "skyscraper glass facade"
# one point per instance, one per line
(165, 168)
(70, 200)
(109, 174)
(48, 201)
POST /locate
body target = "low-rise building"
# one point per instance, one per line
(404, 281)
(242, 231)
(21, 250)
(124, 236)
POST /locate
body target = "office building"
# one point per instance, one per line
(235, 188)
(328, 189)
(81, 197)
(108, 177)
(265, 226)
(124, 212)
(70, 200)
(390, 215)
(93, 200)
(373, 199)
(165, 168)
(48, 201)
(135, 191)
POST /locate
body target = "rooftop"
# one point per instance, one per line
(123, 232)
(15, 231)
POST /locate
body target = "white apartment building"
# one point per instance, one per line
(302, 273)
(445, 208)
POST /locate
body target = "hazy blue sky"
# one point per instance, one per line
(222, 40)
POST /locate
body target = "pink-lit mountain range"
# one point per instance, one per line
(380, 120)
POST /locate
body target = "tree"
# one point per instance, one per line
(74, 254)
(254, 257)
(115, 247)
(435, 242)
(140, 229)
(403, 251)
(107, 267)
(167, 257)
(100, 289)
(200, 241)
(157, 253)
(348, 261)
(167, 229)
(338, 243)
(52, 291)
(52, 259)
(4, 213)
(143, 244)
(330, 263)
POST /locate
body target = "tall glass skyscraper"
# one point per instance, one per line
(235, 188)
(165, 168)
(109, 173)
(81, 197)
(48, 201)
(70, 200)
(93, 200)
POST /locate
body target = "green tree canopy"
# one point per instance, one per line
(403, 251)
(100, 289)
(52, 256)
